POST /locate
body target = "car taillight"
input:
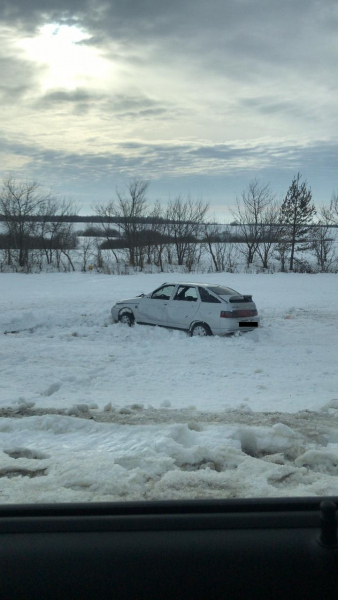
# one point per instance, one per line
(226, 314)
(245, 313)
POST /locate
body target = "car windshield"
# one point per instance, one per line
(158, 158)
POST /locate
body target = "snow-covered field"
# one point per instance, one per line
(92, 411)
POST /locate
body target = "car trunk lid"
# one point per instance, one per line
(242, 306)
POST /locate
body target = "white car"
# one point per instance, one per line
(198, 308)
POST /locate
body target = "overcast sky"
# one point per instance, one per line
(199, 97)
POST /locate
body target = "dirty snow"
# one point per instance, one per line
(92, 411)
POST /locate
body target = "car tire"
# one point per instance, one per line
(200, 330)
(127, 318)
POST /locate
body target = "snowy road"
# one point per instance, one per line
(147, 413)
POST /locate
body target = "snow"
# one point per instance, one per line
(92, 411)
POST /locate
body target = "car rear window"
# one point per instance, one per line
(222, 291)
(206, 297)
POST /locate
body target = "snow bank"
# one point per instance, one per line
(184, 417)
(58, 458)
(61, 349)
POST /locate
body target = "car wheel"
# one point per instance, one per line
(127, 319)
(199, 329)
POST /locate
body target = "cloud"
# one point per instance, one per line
(18, 78)
(245, 27)
(277, 46)
(78, 101)
(155, 160)
(194, 90)
(273, 105)
(122, 106)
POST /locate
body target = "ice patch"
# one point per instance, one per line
(331, 404)
(322, 461)
(23, 403)
(248, 441)
(244, 408)
(261, 441)
(284, 431)
(54, 387)
(277, 458)
(26, 453)
(11, 472)
(78, 409)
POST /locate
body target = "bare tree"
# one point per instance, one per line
(5, 252)
(157, 236)
(56, 233)
(85, 250)
(231, 258)
(283, 244)
(330, 214)
(216, 241)
(19, 204)
(107, 215)
(269, 232)
(334, 205)
(185, 226)
(130, 211)
(249, 216)
(194, 256)
(323, 242)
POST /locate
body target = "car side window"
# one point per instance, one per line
(186, 293)
(164, 293)
(206, 297)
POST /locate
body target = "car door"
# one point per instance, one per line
(183, 307)
(153, 308)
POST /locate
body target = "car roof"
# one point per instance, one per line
(192, 283)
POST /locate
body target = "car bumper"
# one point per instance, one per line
(228, 326)
(115, 314)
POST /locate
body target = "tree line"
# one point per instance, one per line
(39, 230)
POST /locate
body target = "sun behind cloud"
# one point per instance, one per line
(68, 62)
